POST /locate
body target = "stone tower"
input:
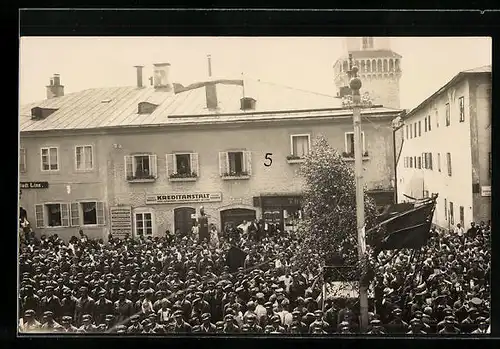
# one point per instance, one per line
(379, 69)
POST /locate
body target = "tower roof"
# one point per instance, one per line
(374, 54)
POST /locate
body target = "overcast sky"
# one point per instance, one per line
(303, 62)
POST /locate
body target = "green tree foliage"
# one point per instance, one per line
(329, 224)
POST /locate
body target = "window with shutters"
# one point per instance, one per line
(87, 213)
(50, 159)
(419, 162)
(461, 108)
(448, 163)
(424, 160)
(52, 215)
(84, 158)
(411, 162)
(420, 128)
(235, 164)
(415, 130)
(429, 161)
(429, 127)
(182, 167)
(447, 115)
(300, 145)
(140, 168)
(22, 160)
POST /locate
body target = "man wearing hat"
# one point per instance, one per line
(483, 326)
(253, 327)
(84, 305)
(181, 326)
(109, 322)
(276, 323)
(88, 326)
(297, 322)
(123, 308)
(376, 327)
(230, 325)
(135, 325)
(469, 323)
(30, 300)
(446, 312)
(49, 325)
(29, 323)
(449, 326)
(207, 326)
(219, 327)
(397, 325)
(344, 328)
(318, 321)
(416, 327)
(51, 302)
(103, 306)
(260, 309)
(67, 327)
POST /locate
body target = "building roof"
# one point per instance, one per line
(374, 54)
(118, 107)
(455, 80)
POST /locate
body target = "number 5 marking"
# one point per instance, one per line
(268, 157)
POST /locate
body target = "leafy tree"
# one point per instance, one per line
(329, 224)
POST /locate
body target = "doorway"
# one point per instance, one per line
(182, 220)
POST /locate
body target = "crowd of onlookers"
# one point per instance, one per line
(174, 284)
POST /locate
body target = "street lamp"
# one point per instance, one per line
(356, 102)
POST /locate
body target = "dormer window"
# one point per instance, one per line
(248, 103)
(146, 108)
(38, 113)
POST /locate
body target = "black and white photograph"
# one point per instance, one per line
(259, 186)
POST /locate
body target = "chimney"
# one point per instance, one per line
(211, 88)
(161, 76)
(139, 75)
(55, 89)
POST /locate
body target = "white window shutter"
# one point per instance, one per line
(75, 214)
(129, 166)
(170, 164)
(194, 163)
(248, 162)
(39, 215)
(65, 215)
(100, 212)
(153, 165)
(222, 163)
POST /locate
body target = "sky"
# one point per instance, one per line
(299, 62)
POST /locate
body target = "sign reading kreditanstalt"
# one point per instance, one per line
(153, 199)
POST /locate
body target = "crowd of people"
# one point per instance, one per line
(173, 284)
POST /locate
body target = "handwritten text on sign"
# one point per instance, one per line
(182, 198)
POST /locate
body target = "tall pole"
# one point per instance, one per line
(355, 85)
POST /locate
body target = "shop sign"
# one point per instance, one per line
(177, 198)
(486, 190)
(121, 221)
(34, 185)
(280, 201)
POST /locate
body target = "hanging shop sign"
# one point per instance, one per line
(176, 198)
(121, 221)
(34, 185)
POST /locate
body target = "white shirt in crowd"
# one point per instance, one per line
(244, 227)
(459, 231)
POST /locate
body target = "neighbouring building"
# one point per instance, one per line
(379, 69)
(142, 159)
(447, 150)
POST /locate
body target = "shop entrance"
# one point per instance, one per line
(183, 221)
(235, 216)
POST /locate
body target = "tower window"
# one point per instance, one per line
(367, 42)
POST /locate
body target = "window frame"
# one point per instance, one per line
(81, 222)
(92, 155)
(429, 123)
(420, 128)
(46, 216)
(461, 109)
(41, 158)
(292, 136)
(224, 164)
(362, 137)
(153, 167)
(143, 211)
(22, 160)
(172, 173)
(452, 214)
(448, 164)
